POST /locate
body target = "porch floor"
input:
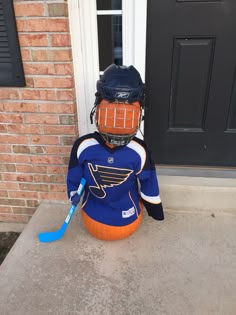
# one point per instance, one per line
(183, 265)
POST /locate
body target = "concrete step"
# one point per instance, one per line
(198, 190)
(183, 265)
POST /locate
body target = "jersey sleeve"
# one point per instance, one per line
(149, 189)
(75, 170)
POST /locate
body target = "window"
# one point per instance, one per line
(109, 22)
(11, 70)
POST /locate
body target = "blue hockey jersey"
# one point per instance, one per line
(116, 179)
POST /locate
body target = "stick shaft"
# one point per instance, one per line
(45, 237)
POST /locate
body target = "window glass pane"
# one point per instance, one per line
(108, 4)
(110, 40)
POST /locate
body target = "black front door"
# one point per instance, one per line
(191, 82)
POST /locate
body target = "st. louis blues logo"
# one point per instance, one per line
(105, 176)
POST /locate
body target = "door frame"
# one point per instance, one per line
(84, 42)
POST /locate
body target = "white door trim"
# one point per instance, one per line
(84, 41)
(134, 34)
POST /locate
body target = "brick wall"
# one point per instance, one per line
(37, 123)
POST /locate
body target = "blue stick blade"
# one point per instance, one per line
(46, 237)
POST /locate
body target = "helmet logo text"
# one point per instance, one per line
(122, 95)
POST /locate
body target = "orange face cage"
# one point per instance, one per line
(117, 122)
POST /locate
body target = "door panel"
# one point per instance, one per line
(191, 82)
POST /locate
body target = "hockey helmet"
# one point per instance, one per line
(122, 84)
(119, 100)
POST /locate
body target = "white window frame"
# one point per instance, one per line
(84, 41)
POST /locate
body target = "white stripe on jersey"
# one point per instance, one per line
(154, 199)
(141, 152)
(85, 144)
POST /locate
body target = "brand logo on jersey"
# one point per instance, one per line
(124, 95)
(110, 160)
(105, 176)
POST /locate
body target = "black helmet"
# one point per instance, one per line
(122, 84)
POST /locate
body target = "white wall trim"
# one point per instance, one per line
(134, 34)
(84, 38)
(134, 38)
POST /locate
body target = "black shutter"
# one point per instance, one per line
(11, 69)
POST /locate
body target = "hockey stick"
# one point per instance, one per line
(52, 236)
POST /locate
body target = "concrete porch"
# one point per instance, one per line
(183, 265)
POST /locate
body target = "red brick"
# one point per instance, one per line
(22, 158)
(17, 177)
(24, 129)
(13, 139)
(56, 108)
(3, 193)
(4, 148)
(7, 168)
(6, 94)
(29, 9)
(47, 25)
(41, 119)
(20, 107)
(14, 218)
(33, 187)
(52, 55)
(35, 40)
(67, 140)
(57, 188)
(25, 168)
(66, 95)
(66, 159)
(46, 160)
(3, 128)
(57, 9)
(41, 68)
(59, 130)
(26, 54)
(29, 82)
(23, 210)
(64, 69)
(54, 82)
(14, 158)
(12, 202)
(5, 209)
(20, 25)
(42, 178)
(58, 150)
(38, 95)
(57, 169)
(49, 178)
(32, 203)
(58, 179)
(67, 120)
(16, 118)
(53, 196)
(23, 194)
(21, 149)
(8, 186)
(39, 169)
(60, 40)
(45, 140)
(37, 150)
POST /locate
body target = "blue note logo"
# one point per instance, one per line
(105, 176)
